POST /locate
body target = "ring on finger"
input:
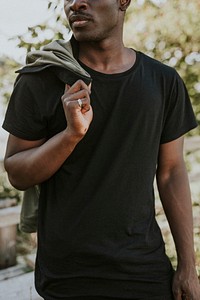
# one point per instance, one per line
(80, 103)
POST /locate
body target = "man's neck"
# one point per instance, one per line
(106, 57)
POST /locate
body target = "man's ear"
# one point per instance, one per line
(124, 4)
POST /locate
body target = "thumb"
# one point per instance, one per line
(90, 86)
(67, 87)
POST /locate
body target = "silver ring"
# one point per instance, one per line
(80, 103)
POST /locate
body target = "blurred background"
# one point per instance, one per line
(167, 30)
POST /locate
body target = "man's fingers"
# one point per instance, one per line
(84, 104)
(79, 85)
(81, 94)
(77, 97)
(80, 104)
(177, 294)
(77, 91)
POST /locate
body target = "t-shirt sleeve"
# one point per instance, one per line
(24, 118)
(179, 116)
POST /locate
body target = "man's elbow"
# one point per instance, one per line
(14, 177)
(17, 184)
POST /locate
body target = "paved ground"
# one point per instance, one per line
(19, 288)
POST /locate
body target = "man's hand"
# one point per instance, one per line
(186, 285)
(78, 117)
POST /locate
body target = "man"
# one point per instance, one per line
(95, 156)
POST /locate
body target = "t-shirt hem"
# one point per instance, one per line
(165, 297)
(115, 289)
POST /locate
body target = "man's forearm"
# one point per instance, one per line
(175, 196)
(33, 166)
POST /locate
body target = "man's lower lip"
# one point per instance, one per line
(80, 23)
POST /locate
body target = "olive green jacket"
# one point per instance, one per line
(59, 55)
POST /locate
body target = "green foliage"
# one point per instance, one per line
(7, 75)
(170, 33)
(55, 27)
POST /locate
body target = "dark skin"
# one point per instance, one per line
(32, 162)
(173, 186)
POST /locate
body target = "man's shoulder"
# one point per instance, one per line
(157, 66)
(37, 81)
(37, 76)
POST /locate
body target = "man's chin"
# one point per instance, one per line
(84, 37)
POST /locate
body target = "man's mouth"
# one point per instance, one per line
(79, 20)
(79, 23)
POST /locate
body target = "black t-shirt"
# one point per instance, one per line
(97, 230)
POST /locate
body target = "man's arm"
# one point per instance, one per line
(173, 186)
(31, 162)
